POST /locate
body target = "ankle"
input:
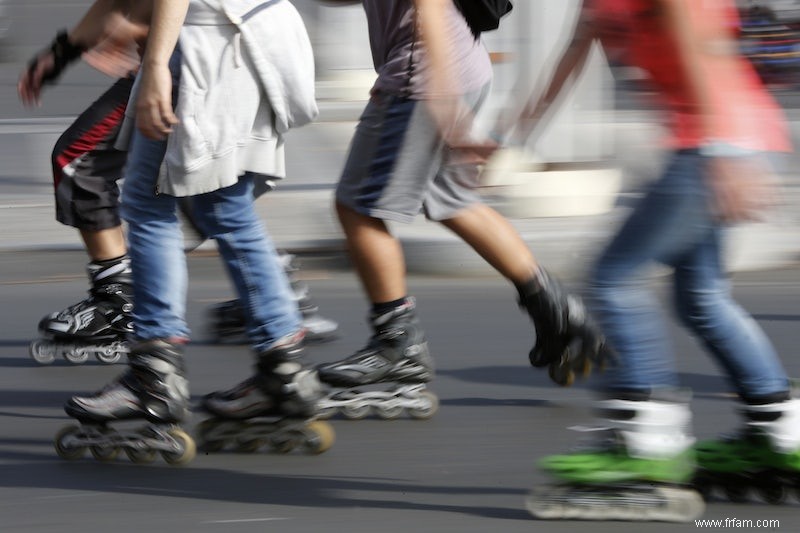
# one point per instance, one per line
(380, 308)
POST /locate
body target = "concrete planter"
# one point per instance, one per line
(519, 186)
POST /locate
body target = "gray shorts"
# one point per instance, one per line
(398, 165)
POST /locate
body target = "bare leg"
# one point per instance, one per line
(376, 253)
(105, 244)
(397, 351)
(496, 240)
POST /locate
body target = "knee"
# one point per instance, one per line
(612, 286)
(697, 307)
(354, 222)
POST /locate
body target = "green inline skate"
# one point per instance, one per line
(763, 459)
(639, 470)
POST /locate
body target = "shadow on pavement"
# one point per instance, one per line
(240, 487)
(522, 375)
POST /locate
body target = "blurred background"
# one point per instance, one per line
(526, 40)
(603, 141)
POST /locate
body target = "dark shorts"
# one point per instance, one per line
(398, 165)
(86, 166)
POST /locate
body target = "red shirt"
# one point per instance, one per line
(744, 113)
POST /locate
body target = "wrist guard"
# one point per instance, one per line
(64, 53)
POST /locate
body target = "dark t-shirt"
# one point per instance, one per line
(399, 57)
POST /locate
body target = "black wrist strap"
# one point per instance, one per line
(64, 51)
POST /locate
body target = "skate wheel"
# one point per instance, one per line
(185, 448)
(736, 493)
(585, 367)
(356, 411)
(431, 402)
(77, 357)
(613, 502)
(319, 436)
(104, 453)
(773, 494)
(538, 504)
(208, 445)
(42, 352)
(212, 446)
(109, 356)
(249, 446)
(66, 443)
(705, 489)
(561, 374)
(603, 355)
(140, 457)
(282, 444)
(389, 412)
(535, 358)
(109, 359)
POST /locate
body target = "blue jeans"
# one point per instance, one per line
(159, 264)
(673, 225)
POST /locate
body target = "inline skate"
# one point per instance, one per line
(639, 469)
(274, 408)
(396, 353)
(154, 389)
(567, 340)
(762, 459)
(97, 326)
(227, 319)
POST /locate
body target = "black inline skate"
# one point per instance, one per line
(227, 319)
(762, 459)
(97, 326)
(155, 389)
(276, 407)
(567, 340)
(396, 353)
(639, 468)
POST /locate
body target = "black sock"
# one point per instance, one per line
(110, 262)
(384, 307)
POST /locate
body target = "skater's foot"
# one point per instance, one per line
(397, 352)
(115, 401)
(283, 385)
(369, 365)
(153, 388)
(104, 316)
(227, 323)
(762, 457)
(249, 398)
(643, 440)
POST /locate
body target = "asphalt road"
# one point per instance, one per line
(465, 470)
